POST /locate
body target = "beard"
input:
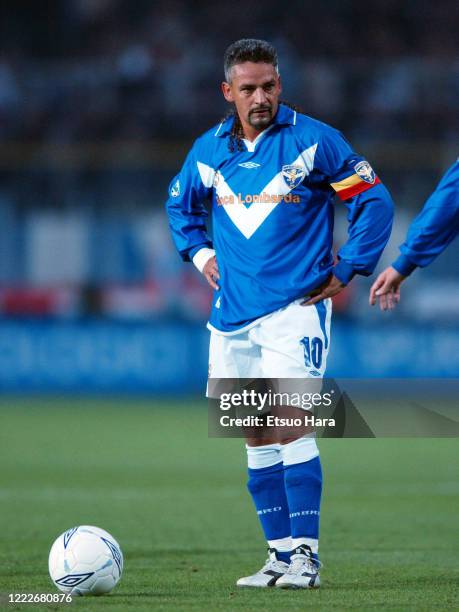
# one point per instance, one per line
(258, 119)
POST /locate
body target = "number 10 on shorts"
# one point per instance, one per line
(313, 348)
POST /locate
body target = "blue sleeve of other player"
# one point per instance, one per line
(435, 226)
(186, 211)
(370, 216)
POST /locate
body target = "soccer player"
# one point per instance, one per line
(428, 235)
(271, 174)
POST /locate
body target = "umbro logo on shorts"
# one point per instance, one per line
(249, 165)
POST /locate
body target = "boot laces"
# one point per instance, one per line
(303, 562)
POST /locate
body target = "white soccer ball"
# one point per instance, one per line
(85, 560)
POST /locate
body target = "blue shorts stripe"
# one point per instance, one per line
(322, 312)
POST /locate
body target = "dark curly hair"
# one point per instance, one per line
(248, 50)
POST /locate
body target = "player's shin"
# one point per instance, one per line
(266, 485)
(303, 486)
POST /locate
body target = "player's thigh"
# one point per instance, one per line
(295, 341)
(234, 357)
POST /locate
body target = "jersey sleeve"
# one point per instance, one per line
(435, 226)
(185, 208)
(369, 205)
(347, 173)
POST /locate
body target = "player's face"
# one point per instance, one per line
(254, 89)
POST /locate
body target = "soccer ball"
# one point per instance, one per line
(85, 560)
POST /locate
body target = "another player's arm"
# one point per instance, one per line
(370, 214)
(429, 234)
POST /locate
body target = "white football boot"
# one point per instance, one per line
(303, 571)
(269, 573)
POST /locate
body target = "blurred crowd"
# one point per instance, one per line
(100, 99)
(79, 70)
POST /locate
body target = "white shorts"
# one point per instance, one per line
(292, 342)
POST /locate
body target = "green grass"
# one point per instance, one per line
(177, 503)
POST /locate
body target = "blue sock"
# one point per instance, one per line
(303, 486)
(266, 485)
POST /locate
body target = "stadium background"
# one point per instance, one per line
(99, 102)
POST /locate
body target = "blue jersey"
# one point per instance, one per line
(272, 209)
(434, 228)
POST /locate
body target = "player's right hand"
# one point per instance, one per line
(211, 272)
(387, 288)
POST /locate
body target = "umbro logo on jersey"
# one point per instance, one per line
(249, 165)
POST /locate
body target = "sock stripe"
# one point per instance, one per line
(299, 451)
(263, 456)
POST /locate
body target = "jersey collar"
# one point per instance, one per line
(284, 116)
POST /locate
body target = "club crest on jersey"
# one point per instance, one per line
(175, 189)
(293, 175)
(365, 171)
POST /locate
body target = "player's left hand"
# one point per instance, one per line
(331, 287)
(387, 288)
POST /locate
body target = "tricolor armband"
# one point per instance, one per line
(352, 186)
(364, 178)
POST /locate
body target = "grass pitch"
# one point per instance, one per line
(176, 502)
